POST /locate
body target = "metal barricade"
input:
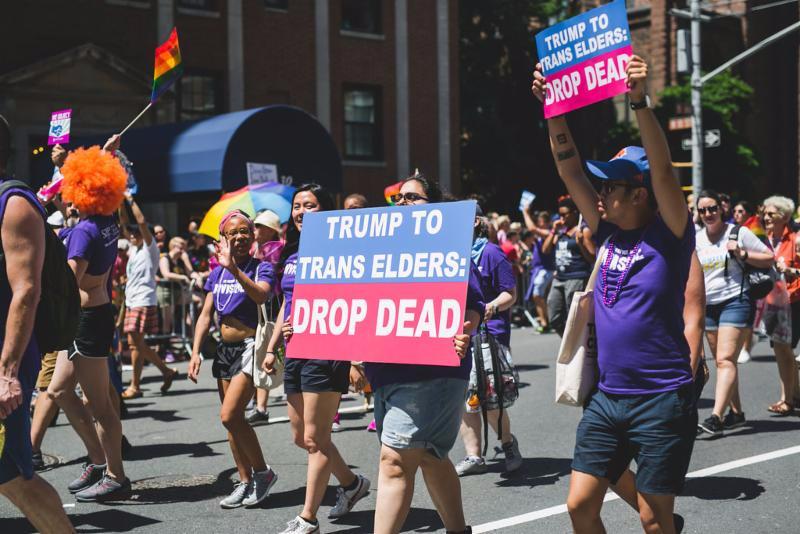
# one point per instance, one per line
(176, 317)
(521, 310)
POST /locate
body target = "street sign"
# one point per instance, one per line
(680, 123)
(711, 139)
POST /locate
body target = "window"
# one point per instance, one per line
(282, 5)
(362, 123)
(199, 96)
(362, 16)
(202, 5)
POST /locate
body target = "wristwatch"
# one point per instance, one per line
(642, 104)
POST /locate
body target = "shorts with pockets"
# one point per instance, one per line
(737, 312)
(315, 376)
(233, 358)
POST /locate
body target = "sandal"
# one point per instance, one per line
(129, 394)
(168, 380)
(781, 408)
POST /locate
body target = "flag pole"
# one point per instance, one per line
(136, 119)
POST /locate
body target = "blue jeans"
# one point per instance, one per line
(421, 415)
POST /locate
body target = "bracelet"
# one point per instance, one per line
(270, 352)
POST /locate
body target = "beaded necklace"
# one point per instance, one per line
(221, 309)
(609, 301)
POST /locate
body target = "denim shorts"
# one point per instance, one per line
(541, 282)
(738, 312)
(421, 415)
(657, 430)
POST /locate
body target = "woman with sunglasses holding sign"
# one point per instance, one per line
(645, 407)
(418, 410)
(730, 310)
(234, 289)
(313, 388)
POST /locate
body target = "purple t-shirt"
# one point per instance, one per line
(287, 283)
(94, 239)
(640, 341)
(383, 374)
(496, 276)
(30, 361)
(230, 300)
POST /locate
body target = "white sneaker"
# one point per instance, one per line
(471, 465)
(298, 525)
(744, 356)
(259, 487)
(797, 359)
(345, 500)
(235, 499)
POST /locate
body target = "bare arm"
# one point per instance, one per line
(200, 333)
(694, 311)
(141, 221)
(585, 244)
(166, 274)
(23, 247)
(78, 266)
(277, 334)
(667, 189)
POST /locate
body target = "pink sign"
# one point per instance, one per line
(584, 58)
(60, 122)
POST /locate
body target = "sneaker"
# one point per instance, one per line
(38, 461)
(259, 487)
(346, 499)
(237, 496)
(471, 465)
(372, 427)
(744, 356)
(257, 418)
(712, 426)
(107, 489)
(336, 426)
(169, 357)
(298, 525)
(513, 457)
(733, 420)
(91, 475)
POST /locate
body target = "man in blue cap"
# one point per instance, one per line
(644, 408)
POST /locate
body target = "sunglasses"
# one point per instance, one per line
(606, 188)
(245, 232)
(409, 197)
(710, 210)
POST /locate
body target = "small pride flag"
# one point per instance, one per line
(390, 191)
(168, 66)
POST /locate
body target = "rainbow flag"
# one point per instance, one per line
(754, 225)
(168, 65)
(390, 191)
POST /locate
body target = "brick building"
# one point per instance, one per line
(772, 126)
(380, 75)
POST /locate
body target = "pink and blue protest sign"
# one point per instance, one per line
(383, 284)
(584, 58)
(59, 127)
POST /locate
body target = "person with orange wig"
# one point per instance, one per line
(94, 182)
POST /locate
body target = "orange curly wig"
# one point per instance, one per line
(94, 181)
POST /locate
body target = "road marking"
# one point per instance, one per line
(610, 496)
(351, 409)
(69, 505)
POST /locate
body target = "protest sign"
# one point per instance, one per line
(526, 199)
(59, 127)
(383, 284)
(584, 58)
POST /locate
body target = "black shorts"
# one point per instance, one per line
(656, 430)
(233, 358)
(315, 376)
(95, 334)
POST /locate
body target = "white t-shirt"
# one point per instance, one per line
(712, 257)
(140, 291)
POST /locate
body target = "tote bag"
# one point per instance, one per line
(264, 330)
(576, 367)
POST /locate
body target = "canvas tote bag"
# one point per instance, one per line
(576, 368)
(263, 334)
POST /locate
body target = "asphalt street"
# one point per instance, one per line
(747, 481)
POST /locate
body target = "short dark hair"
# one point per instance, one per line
(709, 193)
(5, 142)
(567, 202)
(431, 187)
(746, 205)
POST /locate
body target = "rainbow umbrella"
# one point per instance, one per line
(391, 191)
(250, 199)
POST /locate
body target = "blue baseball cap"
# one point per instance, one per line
(629, 165)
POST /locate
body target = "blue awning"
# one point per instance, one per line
(212, 154)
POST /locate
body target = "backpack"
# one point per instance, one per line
(59, 306)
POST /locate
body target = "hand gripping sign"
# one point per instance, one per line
(584, 58)
(383, 284)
